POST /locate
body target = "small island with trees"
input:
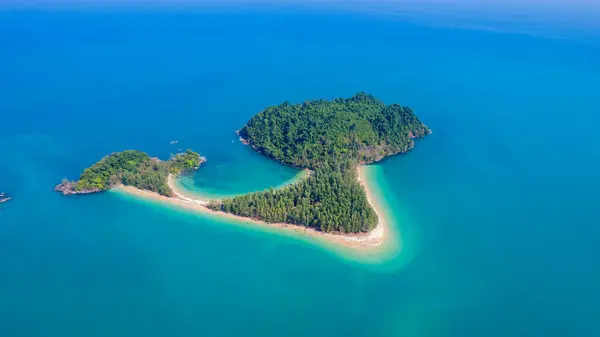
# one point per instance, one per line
(131, 168)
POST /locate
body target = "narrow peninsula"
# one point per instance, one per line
(131, 168)
(330, 139)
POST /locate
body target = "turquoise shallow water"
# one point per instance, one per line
(230, 176)
(497, 210)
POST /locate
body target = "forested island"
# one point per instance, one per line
(131, 168)
(331, 138)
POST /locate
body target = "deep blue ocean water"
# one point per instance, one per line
(497, 210)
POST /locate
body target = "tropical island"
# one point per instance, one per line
(131, 168)
(328, 139)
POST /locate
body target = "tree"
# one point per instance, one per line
(331, 138)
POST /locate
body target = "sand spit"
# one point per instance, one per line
(360, 241)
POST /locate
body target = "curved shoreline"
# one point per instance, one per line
(180, 190)
(359, 241)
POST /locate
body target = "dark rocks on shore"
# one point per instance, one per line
(70, 188)
(242, 139)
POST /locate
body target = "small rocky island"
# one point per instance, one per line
(131, 168)
(4, 197)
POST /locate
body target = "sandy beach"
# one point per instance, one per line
(360, 241)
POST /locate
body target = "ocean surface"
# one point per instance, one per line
(496, 213)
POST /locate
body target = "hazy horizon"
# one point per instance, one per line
(493, 217)
(554, 18)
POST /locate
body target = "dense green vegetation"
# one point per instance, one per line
(359, 129)
(331, 138)
(133, 168)
(329, 200)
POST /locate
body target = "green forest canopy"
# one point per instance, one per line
(331, 138)
(135, 168)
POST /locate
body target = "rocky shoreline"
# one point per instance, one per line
(176, 164)
(69, 188)
(242, 139)
(412, 136)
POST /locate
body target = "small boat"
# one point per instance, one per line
(4, 197)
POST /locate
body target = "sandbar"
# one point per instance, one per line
(359, 241)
